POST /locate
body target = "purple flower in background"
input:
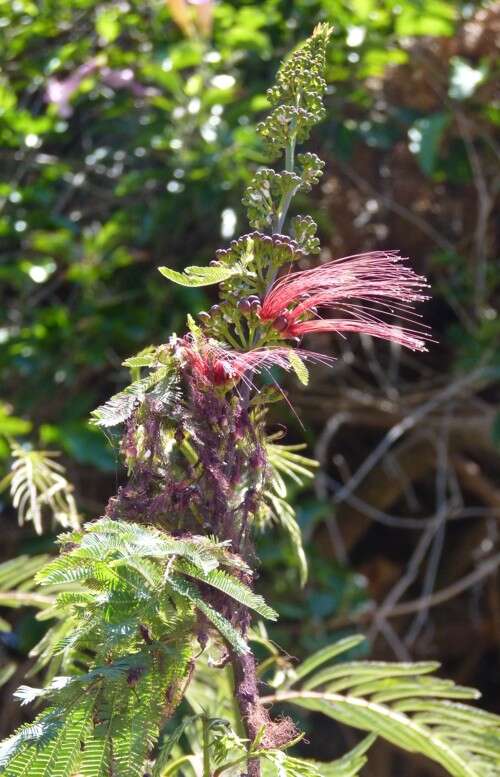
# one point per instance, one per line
(59, 91)
(125, 79)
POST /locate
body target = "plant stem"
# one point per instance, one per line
(284, 203)
(227, 766)
(247, 695)
(206, 745)
(287, 198)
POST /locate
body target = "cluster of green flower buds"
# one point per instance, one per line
(264, 196)
(284, 123)
(311, 170)
(247, 267)
(298, 93)
(215, 312)
(255, 252)
(304, 230)
(232, 319)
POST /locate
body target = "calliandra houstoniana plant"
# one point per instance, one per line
(156, 598)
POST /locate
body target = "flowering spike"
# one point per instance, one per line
(298, 93)
(202, 467)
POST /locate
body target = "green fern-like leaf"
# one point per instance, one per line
(299, 367)
(277, 763)
(38, 484)
(128, 540)
(162, 382)
(350, 764)
(402, 704)
(285, 459)
(167, 744)
(198, 276)
(284, 515)
(280, 764)
(97, 754)
(326, 654)
(138, 727)
(50, 747)
(232, 587)
(285, 462)
(223, 626)
(17, 583)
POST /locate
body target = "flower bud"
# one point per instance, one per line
(281, 323)
(203, 316)
(215, 311)
(222, 372)
(244, 306)
(255, 305)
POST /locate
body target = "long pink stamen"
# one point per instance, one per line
(406, 337)
(367, 287)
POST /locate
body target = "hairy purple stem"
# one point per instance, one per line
(252, 713)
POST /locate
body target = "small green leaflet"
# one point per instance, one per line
(193, 327)
(141, 360)
(198, 276)
(120, 406)
(298, 367)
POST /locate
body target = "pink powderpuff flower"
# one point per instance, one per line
(364, 290)
(214, 365)
(210, 364)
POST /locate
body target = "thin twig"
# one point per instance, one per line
(485, 569)
(364, 186)
(439, 537)
(407, 423)
(405, 581)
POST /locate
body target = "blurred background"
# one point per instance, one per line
(127, 136)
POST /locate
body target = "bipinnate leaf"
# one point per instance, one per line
(404, 704)
(51, 746)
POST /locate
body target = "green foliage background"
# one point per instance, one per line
(93, 202)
